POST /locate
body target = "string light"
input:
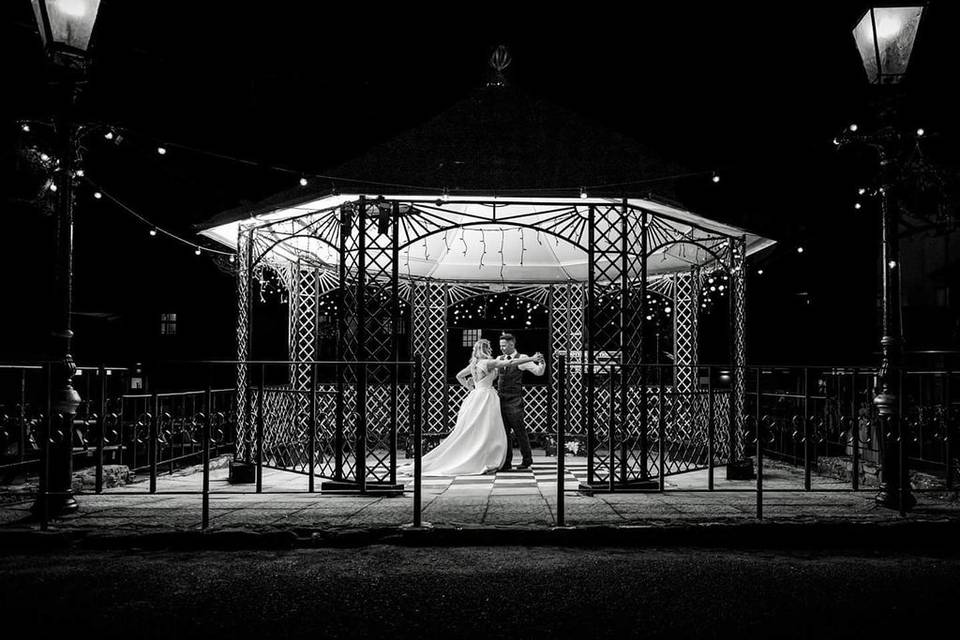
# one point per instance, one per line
(153, 233)
(759, 272)
(53, 186)
(97, 195)
(303, 182)
(198, 251)
(861, 191)
(920, 132)
(799, 249)
(25, 128)
(583, 193)
(44, 157)
(108, 135)
(162, 151)
(715, 178)
(853, 127)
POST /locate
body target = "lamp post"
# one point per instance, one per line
(884, 37)
(65, 29)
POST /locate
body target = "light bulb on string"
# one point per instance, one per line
(44, 157)
(53, 186)
(583, 193)
(861, 191)
(857, 206)
(197, 251)
(153, 233)
(25, 128)
(303, 182)
(108, 135)
(853, 127)
(162, 151)
(715, 178)
(920, 132)
(97, 195)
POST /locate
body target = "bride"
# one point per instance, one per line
(478, 443)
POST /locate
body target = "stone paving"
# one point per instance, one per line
(512, 499)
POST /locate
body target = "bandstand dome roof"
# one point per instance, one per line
(499, 202)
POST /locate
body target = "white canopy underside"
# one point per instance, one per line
(479, 239)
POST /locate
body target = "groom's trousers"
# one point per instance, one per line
(512, 411)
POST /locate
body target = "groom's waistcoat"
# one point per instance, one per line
(510, 383)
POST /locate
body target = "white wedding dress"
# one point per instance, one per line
(478, 443)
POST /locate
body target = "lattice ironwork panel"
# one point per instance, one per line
(380, 314)
(686, 305)
(738, 255)
(285, 441)
(567, 339)
(348, 345)
(429, 333)
(244, 427)
(302, 317)
(616, 310)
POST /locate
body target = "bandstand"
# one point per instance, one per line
(380, 264)
(598, 265)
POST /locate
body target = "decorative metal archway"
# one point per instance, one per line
(361, 248)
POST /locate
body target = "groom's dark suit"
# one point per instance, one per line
(510, 389)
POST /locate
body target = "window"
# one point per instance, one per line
(470, 336)
(168, 324)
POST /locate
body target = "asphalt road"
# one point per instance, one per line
(506, 592)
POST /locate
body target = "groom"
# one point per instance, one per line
(510, 388)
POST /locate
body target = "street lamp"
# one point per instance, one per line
(65, 29)
(885, 38)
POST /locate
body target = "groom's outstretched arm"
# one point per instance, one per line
(533, 367)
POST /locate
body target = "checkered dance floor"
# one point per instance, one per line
(540, 478)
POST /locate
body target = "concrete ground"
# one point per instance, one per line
(526, 499)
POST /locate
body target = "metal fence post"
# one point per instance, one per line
(807, 463)
(611, 427)
(759, 448)
(948, 429)
(101, 372)
(260, 402)
(47, 427)
(23, 415)
(206, 459)
(855, 432)
(417, 437)
(561, 434)
(710, 429)
(661, 429)
(154, 443)
(312, 445)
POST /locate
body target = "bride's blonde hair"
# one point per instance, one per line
(481, 351)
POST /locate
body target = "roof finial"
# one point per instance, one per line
(499, 60)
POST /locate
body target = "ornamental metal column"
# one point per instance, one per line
(244, 436)
(303, 294)
(686, 293)
(740, 467)
(369, 272)
(614, 336)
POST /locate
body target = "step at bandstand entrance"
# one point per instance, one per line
(379, 273)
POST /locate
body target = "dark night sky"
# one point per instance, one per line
(755, 93)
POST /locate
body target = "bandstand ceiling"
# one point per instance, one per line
(490, 239)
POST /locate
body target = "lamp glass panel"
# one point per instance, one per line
(71, 21)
